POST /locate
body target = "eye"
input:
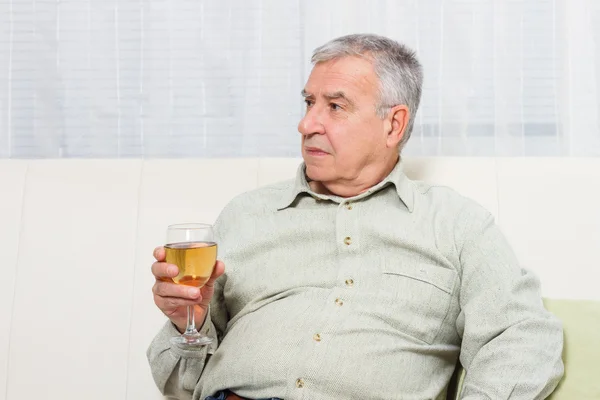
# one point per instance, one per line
(335, 107)
(308, 103)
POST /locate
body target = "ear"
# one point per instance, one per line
(396, 123)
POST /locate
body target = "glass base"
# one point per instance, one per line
(186, 339)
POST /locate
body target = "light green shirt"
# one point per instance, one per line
(370, 297)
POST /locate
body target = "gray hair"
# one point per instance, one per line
(400, 73)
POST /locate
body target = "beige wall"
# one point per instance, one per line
(76, 238)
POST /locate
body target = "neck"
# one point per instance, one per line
(368, 177)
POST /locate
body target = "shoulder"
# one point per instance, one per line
(455, 218)
(257, 201)
(449, 204)
(263, 197)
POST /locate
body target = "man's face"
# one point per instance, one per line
(341, 132)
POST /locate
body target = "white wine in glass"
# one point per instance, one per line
(192, 249)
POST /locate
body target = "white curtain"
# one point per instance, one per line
(200, 78)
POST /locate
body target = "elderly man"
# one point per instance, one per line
(352, 281)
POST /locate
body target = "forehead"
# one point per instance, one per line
(351, 75)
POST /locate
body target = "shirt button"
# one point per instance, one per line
(349, 282)
(299, 383)
(348, 206)
(348, 240)
(339, 302)
(317, 337)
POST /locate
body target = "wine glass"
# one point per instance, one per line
(191, 247)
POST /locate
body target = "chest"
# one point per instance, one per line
(376, 246)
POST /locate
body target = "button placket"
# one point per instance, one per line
(323, 331)
(349, 242)
(346, 227)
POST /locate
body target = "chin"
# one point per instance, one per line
(313, 172)
(317, 173)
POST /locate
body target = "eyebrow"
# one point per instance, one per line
(330, 96)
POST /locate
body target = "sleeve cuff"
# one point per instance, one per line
(170, 330)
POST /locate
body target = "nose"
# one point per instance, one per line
(311, 123)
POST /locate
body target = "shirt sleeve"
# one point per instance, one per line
(175, 369)
(511, 346)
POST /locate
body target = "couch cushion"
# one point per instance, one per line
(581, 353)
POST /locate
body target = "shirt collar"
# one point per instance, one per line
(403, 185)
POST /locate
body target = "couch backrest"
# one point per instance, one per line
(76, 238)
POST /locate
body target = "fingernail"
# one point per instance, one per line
(194, 292)
(172, 270)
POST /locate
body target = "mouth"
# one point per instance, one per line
(315, 151)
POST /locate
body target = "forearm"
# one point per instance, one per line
(523, 362)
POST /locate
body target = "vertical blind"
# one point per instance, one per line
(198, 78)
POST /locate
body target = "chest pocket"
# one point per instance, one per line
(416, 297)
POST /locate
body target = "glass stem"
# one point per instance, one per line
(191, 323)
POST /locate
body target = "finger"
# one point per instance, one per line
(164, 270)
(167, 304)
(170, 289)
(159, 253)
(217, 272)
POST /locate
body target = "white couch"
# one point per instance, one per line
(76, 240)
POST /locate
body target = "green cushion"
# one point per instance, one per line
(581, 353)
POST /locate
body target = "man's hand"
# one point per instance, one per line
(172, 299)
